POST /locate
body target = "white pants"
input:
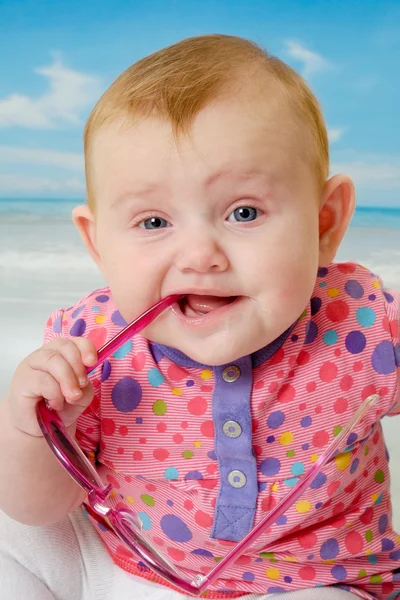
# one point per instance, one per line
(68, 561)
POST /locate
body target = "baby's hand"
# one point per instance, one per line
(57, 373)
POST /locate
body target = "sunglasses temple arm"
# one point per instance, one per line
(137, 325)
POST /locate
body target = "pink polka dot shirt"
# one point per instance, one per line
(202, 453)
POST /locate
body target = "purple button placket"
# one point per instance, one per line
(235, 507)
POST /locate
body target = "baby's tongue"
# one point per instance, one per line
(203, 304)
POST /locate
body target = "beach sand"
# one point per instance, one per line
(43, 266)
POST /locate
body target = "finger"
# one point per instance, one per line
(48, 360)
(87, 349)
(72, 352)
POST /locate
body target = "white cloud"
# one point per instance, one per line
(312, 62)
(335, 133)
(11, 184)
(68, 93)
(72, 161)
(375, 171)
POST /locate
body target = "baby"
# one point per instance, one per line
(208, 176)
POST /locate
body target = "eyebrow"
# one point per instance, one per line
(150, 189)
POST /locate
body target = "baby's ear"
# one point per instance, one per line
(83, 219)
(337, 207)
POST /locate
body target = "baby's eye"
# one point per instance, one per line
(154, 223)
(244, 214)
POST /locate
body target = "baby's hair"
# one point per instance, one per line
(177, 82)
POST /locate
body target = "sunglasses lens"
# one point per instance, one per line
(76, 462)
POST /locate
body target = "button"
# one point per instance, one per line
(231, 429)
(231, 373)
(237, 479)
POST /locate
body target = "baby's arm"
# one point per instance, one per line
(34, 488)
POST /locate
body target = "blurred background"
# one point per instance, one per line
(57, 59)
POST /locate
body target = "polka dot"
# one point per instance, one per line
(322, 272)
(339, 573)
(318, 481)
(196, 475)
(320, 439)
(146, 521)
(160, 454)
(303, 506)
(297, 468)
(176, 373)
(316, 304)
(149, 500)
(307, 540)
(123, 350)
(383, 358)
(108, 426)
(187, 454)
(355, 342)
(354, 542)
(365, 316)
(247, 576)
(197, 406)
(105, 370)
(270, 466)
(57, 324)
(354, 289)
(286, 393)
(342, 461)
(272, 573)
(126, 394)
(190, 383)
(276, 419)
(307, 573)
(382, 524)
(171, 473)
(337, 311)
(328, 372)
(340, 406)
(207, 429)
(286, 438)
(139, 361)
(354, 465)
(387, 545)
(78, 328)
(155, 377)
(306, 421)
(206, 374)
(118, 319)
(159, 407)
(329, 549)
(330, 337)
(379, 476)
(311, 332)
(175, 529)
(203, 519)
(176, 554)
(78, 311)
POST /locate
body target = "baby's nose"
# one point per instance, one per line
(202, 253)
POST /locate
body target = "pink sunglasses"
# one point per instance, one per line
(125, 523)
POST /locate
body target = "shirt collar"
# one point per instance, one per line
(257, 358)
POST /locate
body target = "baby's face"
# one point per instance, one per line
(227, 216)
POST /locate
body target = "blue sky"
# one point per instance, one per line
(58, 57)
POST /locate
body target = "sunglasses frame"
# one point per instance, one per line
(126, 525)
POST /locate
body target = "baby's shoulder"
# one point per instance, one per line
(94, 316)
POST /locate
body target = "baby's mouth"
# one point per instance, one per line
(194, 305)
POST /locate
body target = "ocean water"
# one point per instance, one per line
(41, 250)
(23, 210)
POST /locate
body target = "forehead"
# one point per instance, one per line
(249, 131)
